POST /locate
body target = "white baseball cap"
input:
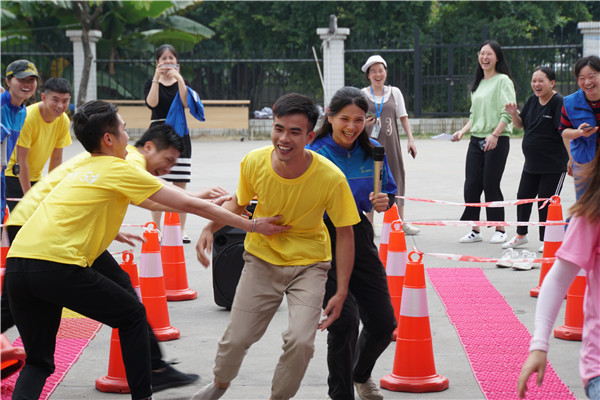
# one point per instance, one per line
(373, 60)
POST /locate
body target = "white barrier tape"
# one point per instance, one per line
(13, 199)
(116, 253)
(461, 257)
(414, 303)
(133, 226)
(491, 204)
(488, 223)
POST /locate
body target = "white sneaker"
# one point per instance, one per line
(368, 390)
(499, 237)
(515, 242)
(471, 237)
(527, 265)
(507, 257)
(410, 229)
(541, 249)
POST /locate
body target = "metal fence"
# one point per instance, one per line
(434, 75)
(260, 78)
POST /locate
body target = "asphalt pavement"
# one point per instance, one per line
(436, 173)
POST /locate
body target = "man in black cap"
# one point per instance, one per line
(21, 80)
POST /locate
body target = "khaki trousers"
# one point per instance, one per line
(258, 295)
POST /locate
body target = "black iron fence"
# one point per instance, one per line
(433, 75)
(260, 78)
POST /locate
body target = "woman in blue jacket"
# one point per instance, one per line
(350, 358)
(581, 117)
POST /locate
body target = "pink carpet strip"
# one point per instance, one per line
(495, 341)
(74, 334)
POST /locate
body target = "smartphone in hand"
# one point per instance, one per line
(412, 153)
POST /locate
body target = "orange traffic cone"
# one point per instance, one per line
(573, 326)
(152, 286)
(389, 216)
(414, 366)
(13, 358)
(553, 237)
(173, 261)
(129, 266)
(116, 379)
(396, 267)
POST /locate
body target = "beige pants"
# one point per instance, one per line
(258, 296)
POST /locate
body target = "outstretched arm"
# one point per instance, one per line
(553, 291)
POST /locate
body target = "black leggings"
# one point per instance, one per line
(351, 357)
(483, 173)
(532, 186)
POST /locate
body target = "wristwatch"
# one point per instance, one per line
(16, 169)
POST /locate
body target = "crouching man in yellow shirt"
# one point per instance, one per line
(47, 265)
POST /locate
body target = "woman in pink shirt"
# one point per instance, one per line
(580, 249)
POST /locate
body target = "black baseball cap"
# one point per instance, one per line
(21, 69)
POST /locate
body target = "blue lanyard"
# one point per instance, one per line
(379, 109)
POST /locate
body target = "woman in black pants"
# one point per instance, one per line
(350, 356)
(490, 126)
(545, 153)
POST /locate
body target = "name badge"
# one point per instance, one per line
(376, 129)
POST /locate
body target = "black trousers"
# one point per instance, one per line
(532, 186)
(106, 265)
(14, 190)
(351, 357)
(483, 173)
(38, 290)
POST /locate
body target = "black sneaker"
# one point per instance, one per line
(169, 377)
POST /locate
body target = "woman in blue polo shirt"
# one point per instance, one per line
(343, 139)
(581, 117)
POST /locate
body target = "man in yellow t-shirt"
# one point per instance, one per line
(48, 262)
(156, 151)
(301, 186)
(44, 134)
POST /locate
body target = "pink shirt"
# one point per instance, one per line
(581, 246)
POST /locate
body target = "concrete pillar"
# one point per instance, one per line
(333, 60)
(591, 37)
(75, 36)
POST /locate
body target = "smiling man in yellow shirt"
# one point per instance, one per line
(48, 262)
(44, 134)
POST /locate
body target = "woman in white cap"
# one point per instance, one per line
(386, 104)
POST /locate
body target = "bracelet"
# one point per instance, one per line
(154, 80)
(496, 135)
(253, 225)
(411, 140)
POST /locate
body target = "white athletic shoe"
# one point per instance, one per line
(527, 265)
(410, 229)
(471, 237)
(515, 242)
(507, 257)
(499, 237)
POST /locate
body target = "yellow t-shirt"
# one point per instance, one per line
(34, 196)
(79, 218)
(301, 202)
(41, 138)
(136, 158)
(30, 201)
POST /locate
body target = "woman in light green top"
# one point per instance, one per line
(490, 126)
